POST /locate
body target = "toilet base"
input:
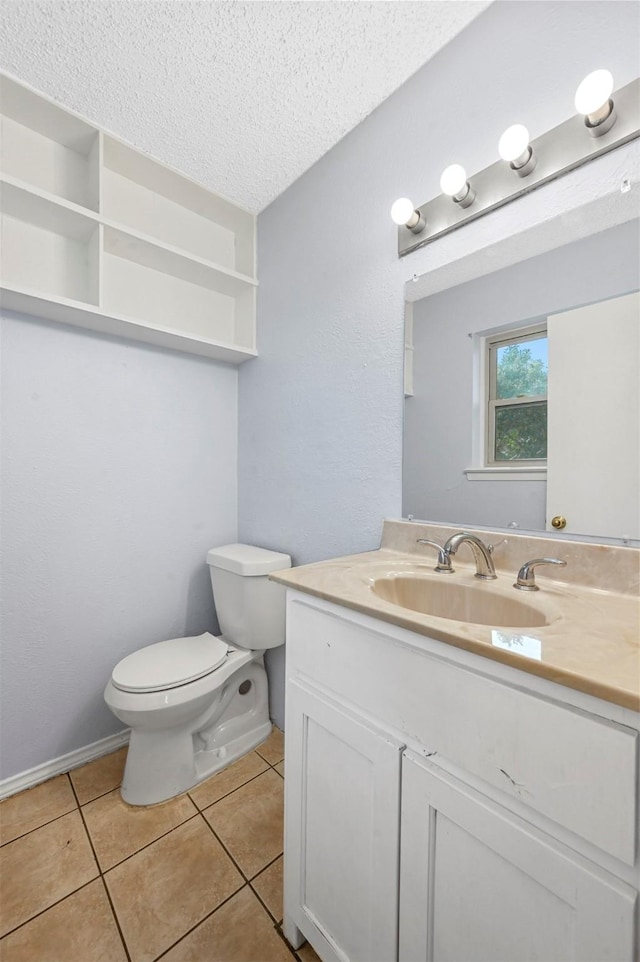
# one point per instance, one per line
(163, 764)
(148, 782)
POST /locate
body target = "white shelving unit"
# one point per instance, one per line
(99, 235)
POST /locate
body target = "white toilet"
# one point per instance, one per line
(196, 704)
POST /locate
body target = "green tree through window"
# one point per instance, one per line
(519, 373)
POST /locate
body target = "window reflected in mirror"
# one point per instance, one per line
(517, 397)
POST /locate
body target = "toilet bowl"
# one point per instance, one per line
(196, 704)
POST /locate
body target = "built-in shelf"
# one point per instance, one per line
(49, 247)
(78, 314)
(99, 235)
(47, 146)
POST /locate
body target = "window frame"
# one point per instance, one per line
(480, 469)
(492, 343)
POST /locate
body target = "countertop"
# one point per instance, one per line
(591, 641)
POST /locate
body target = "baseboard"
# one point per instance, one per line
(58, 766)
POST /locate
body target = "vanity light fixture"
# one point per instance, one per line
(514, 147)
(593, 100)
(404, 214)
(535, 162)
(454, 184)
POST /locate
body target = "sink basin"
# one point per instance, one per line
(479, 604)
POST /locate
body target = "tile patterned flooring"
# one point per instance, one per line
(86, 878)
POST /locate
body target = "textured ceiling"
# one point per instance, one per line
(243, 97)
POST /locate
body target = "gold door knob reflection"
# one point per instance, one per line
(559, 522)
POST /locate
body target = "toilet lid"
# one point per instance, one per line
(168, 664)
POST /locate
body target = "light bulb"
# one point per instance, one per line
(454, 183)
(404, 214)
(402, 211)
(453, 180)
(514, 147)
(514, 143)
(593, 93)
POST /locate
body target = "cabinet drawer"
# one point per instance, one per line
(578, 769)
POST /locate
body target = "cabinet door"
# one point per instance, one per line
(342, 814)
(478, 884)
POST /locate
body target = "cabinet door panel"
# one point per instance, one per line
(479, 885)
(342, 841)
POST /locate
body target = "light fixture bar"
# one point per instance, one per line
(560, 150)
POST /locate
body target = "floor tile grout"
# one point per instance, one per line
(43, 825)
(101, 795)
(93, 762)
(244, 784)
(199, 811)
(49, 820)
(53, 905)
(268, 865)
(219, 840)
(275, 921)
(271, 764)
(202, 920)
(79, 804)
(115, 917)
(101, 876)
(226, 795)
(246, 880)
(257, 894)
(102, 879)
(147, 844)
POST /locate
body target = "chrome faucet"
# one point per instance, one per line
(481, 553)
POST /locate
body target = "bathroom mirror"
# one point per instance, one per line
(444, 430)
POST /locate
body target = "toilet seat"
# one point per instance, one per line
(168, 664)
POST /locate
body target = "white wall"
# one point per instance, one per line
(320, 413)
(438, 422)
(118, 473)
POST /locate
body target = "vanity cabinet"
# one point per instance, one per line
(440, 806)
(99, 235)
(479, 884)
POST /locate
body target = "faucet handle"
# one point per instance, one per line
(492, 547)
(444, 561)
(526, 579)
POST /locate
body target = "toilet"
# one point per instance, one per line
(196, 704)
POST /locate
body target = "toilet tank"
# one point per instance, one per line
(250, 608)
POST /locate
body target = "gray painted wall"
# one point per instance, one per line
(320, 413)
(438, 418)
(120, 460)
(118, 473)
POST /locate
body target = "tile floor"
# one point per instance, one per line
(86, 878)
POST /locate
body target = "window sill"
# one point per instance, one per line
(506, 474)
